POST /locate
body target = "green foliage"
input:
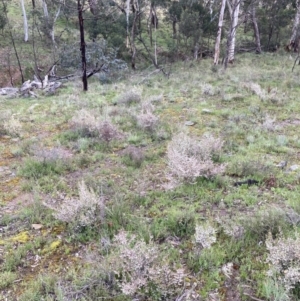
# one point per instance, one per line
(6, 279)
(98, 54)
(33, 169)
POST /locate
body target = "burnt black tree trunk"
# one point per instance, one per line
(82, 45)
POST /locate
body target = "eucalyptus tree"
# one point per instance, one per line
(25, 22)
(51, 12)
(219, 34)
(234, 9)
(294, 40)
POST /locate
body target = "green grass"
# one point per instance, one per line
(258, 134)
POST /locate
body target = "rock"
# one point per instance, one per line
(36, 226)
(207, 111)
(189, 123)
(294, 167)
(9, 91)
(293, 217)
(282, 164)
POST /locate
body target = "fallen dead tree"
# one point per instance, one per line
(28, 88)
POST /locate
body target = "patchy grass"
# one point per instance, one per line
(119, 150)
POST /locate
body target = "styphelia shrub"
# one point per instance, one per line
(191, 157)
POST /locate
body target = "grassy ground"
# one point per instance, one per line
(47, 149)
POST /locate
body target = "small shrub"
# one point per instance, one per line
(208, 89)
(130, 97)
(88, 125)
(284, 260)
(141, 268)
(189, 158)
(147, 121)
(6, 279)
(155, 98)
(36, 169)
(13, 126)
(257, 90)
(43, 154)
(135, 156)
(269, 123)
(205, 236)
(85, 122)
(246, 168)
(87, 210)
(107, 131)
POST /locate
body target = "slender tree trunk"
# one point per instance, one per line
(13, 40)
(154, 22)
(233, 28)
(174, 22)
(293, 40)
(24, 21)
(133, 32)
(50, 23)
(82, 45)
(255, 28)
(127, 23)
(218, 39)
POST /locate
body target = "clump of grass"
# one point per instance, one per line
(13, 126)
(35, 169)
(246, 168)
(269, 123)
(132, 96)
(85, 122)
(88, 125)
(147, 121)
(134, 156)
(108, 131)
(7, 279)
(208, 89)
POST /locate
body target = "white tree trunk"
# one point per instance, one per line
(25, 21)
(218, 39)
(45, 9)
(255, 28)
(293, 39)
(233, 28)
(50, 23)
(127, 22)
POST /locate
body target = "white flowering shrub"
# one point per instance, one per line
(131, 96)
(205, 236)
(85, 121)
(86, 210)
(284, 260)
(189, 158)
(256, 89)
(207, 89)
(147, 121)
(90, 125)
(13, 126)
(141, 268)
(269, 123)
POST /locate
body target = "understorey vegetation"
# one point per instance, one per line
(154, 188)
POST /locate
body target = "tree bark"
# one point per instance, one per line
(218, 39)
(233, 27)
(24, 21)
(133, 31)
(82, 45)
(255, 28)
(234, 9)
(293, 40)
